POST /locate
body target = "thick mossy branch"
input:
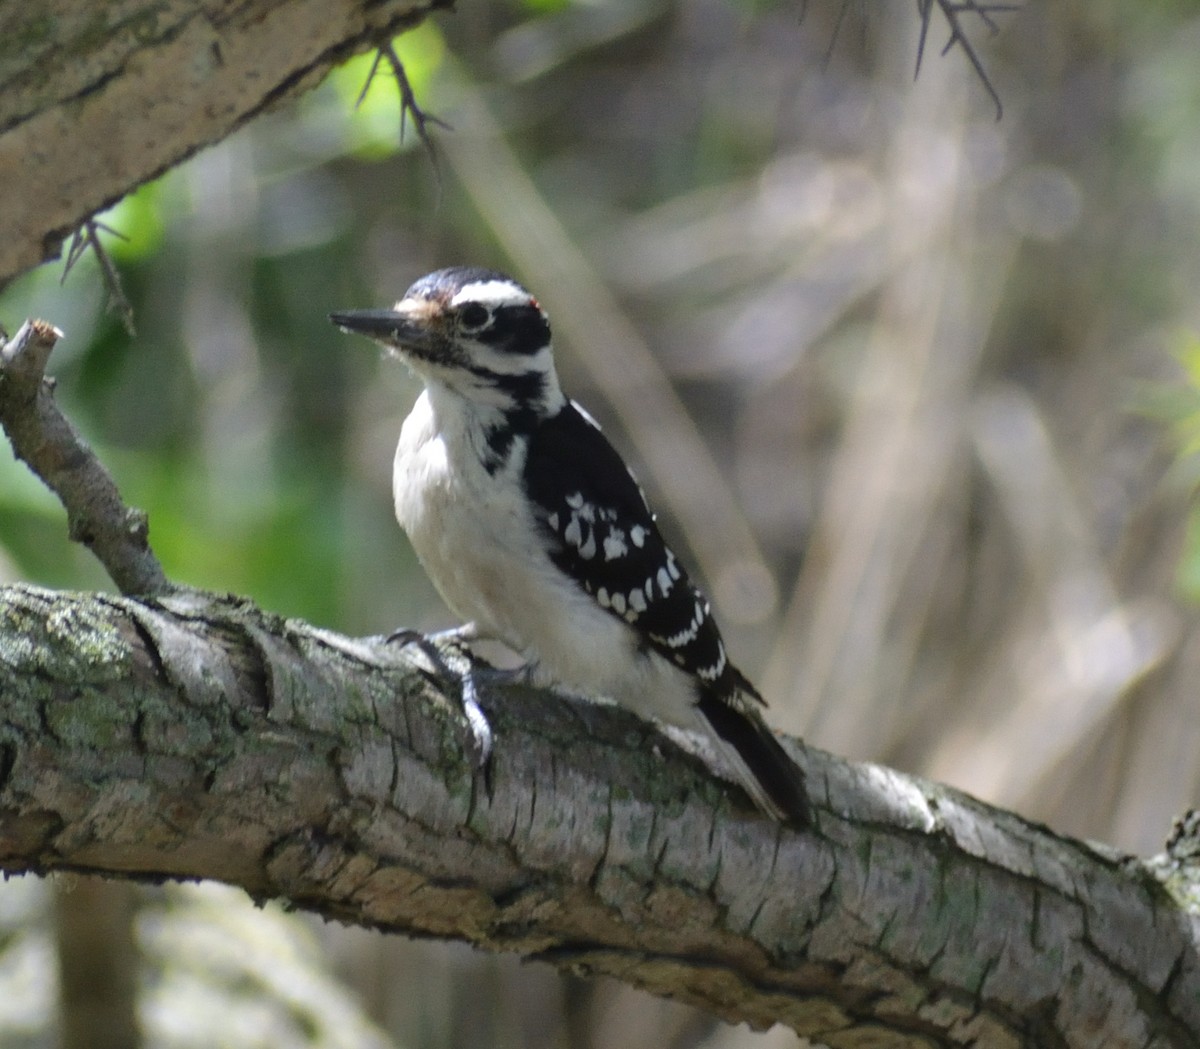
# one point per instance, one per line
(197, 737)
(97, 99)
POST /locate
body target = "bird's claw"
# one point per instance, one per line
(404, 636)
(499, 677)
(446, 650)
(457, 636)
(481, 740)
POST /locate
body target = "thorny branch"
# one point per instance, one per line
(87, 236)
(951, 11)
(43, 438)
(408, 102)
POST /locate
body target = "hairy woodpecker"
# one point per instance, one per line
(535, 532)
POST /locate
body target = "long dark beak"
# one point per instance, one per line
(386, 326)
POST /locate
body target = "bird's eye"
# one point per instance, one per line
(472, 316)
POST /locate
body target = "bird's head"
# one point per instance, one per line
(473, 331)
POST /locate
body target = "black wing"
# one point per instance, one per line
(603, 535)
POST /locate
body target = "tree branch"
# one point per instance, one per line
(408, 102)
(205, 738)
(88, 236)
(952, 11)
(42, 437)
(95, 109)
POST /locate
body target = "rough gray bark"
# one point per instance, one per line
(196, 737)
(97, 98)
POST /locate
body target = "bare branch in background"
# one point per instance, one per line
(837, 28)
(408, 102)
(951, 11)
(87, 236)
(44, 439)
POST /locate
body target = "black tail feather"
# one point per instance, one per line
(780, 778)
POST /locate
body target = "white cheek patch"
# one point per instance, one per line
(493, 293)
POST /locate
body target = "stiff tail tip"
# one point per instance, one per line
(773, 780)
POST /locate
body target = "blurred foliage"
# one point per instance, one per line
(217, 971)
(900, 335)
(1177, 406)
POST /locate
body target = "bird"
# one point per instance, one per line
(536, 533)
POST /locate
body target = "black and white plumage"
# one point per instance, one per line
(535, 532)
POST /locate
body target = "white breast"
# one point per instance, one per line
(455, 514)
(474, 535)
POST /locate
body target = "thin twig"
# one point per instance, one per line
(833, 37)
(924, 10)
(951, 10)
(87, 236)
(408, 103)
(44, 439)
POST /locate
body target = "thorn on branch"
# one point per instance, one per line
(837, 31)
(408, 102)
(87, 236)
(951, 11)
(44, 439)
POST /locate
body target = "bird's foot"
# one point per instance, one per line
(501, 677)
(480, 739)
(449, 656)
(472, 676)
(459, 635)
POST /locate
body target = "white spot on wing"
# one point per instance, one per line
(687, 635)
(602, 597)
(614, 545)
(664, 582)
(717, 669)
(588, 549)
(554, 521)
(574, 532)
(638, 534)
(618, 603)
(575, 500)
(684, 637)
(637, 600)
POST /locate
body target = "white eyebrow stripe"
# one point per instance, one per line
(492, 293)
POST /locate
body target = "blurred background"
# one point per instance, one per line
(914, 390)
